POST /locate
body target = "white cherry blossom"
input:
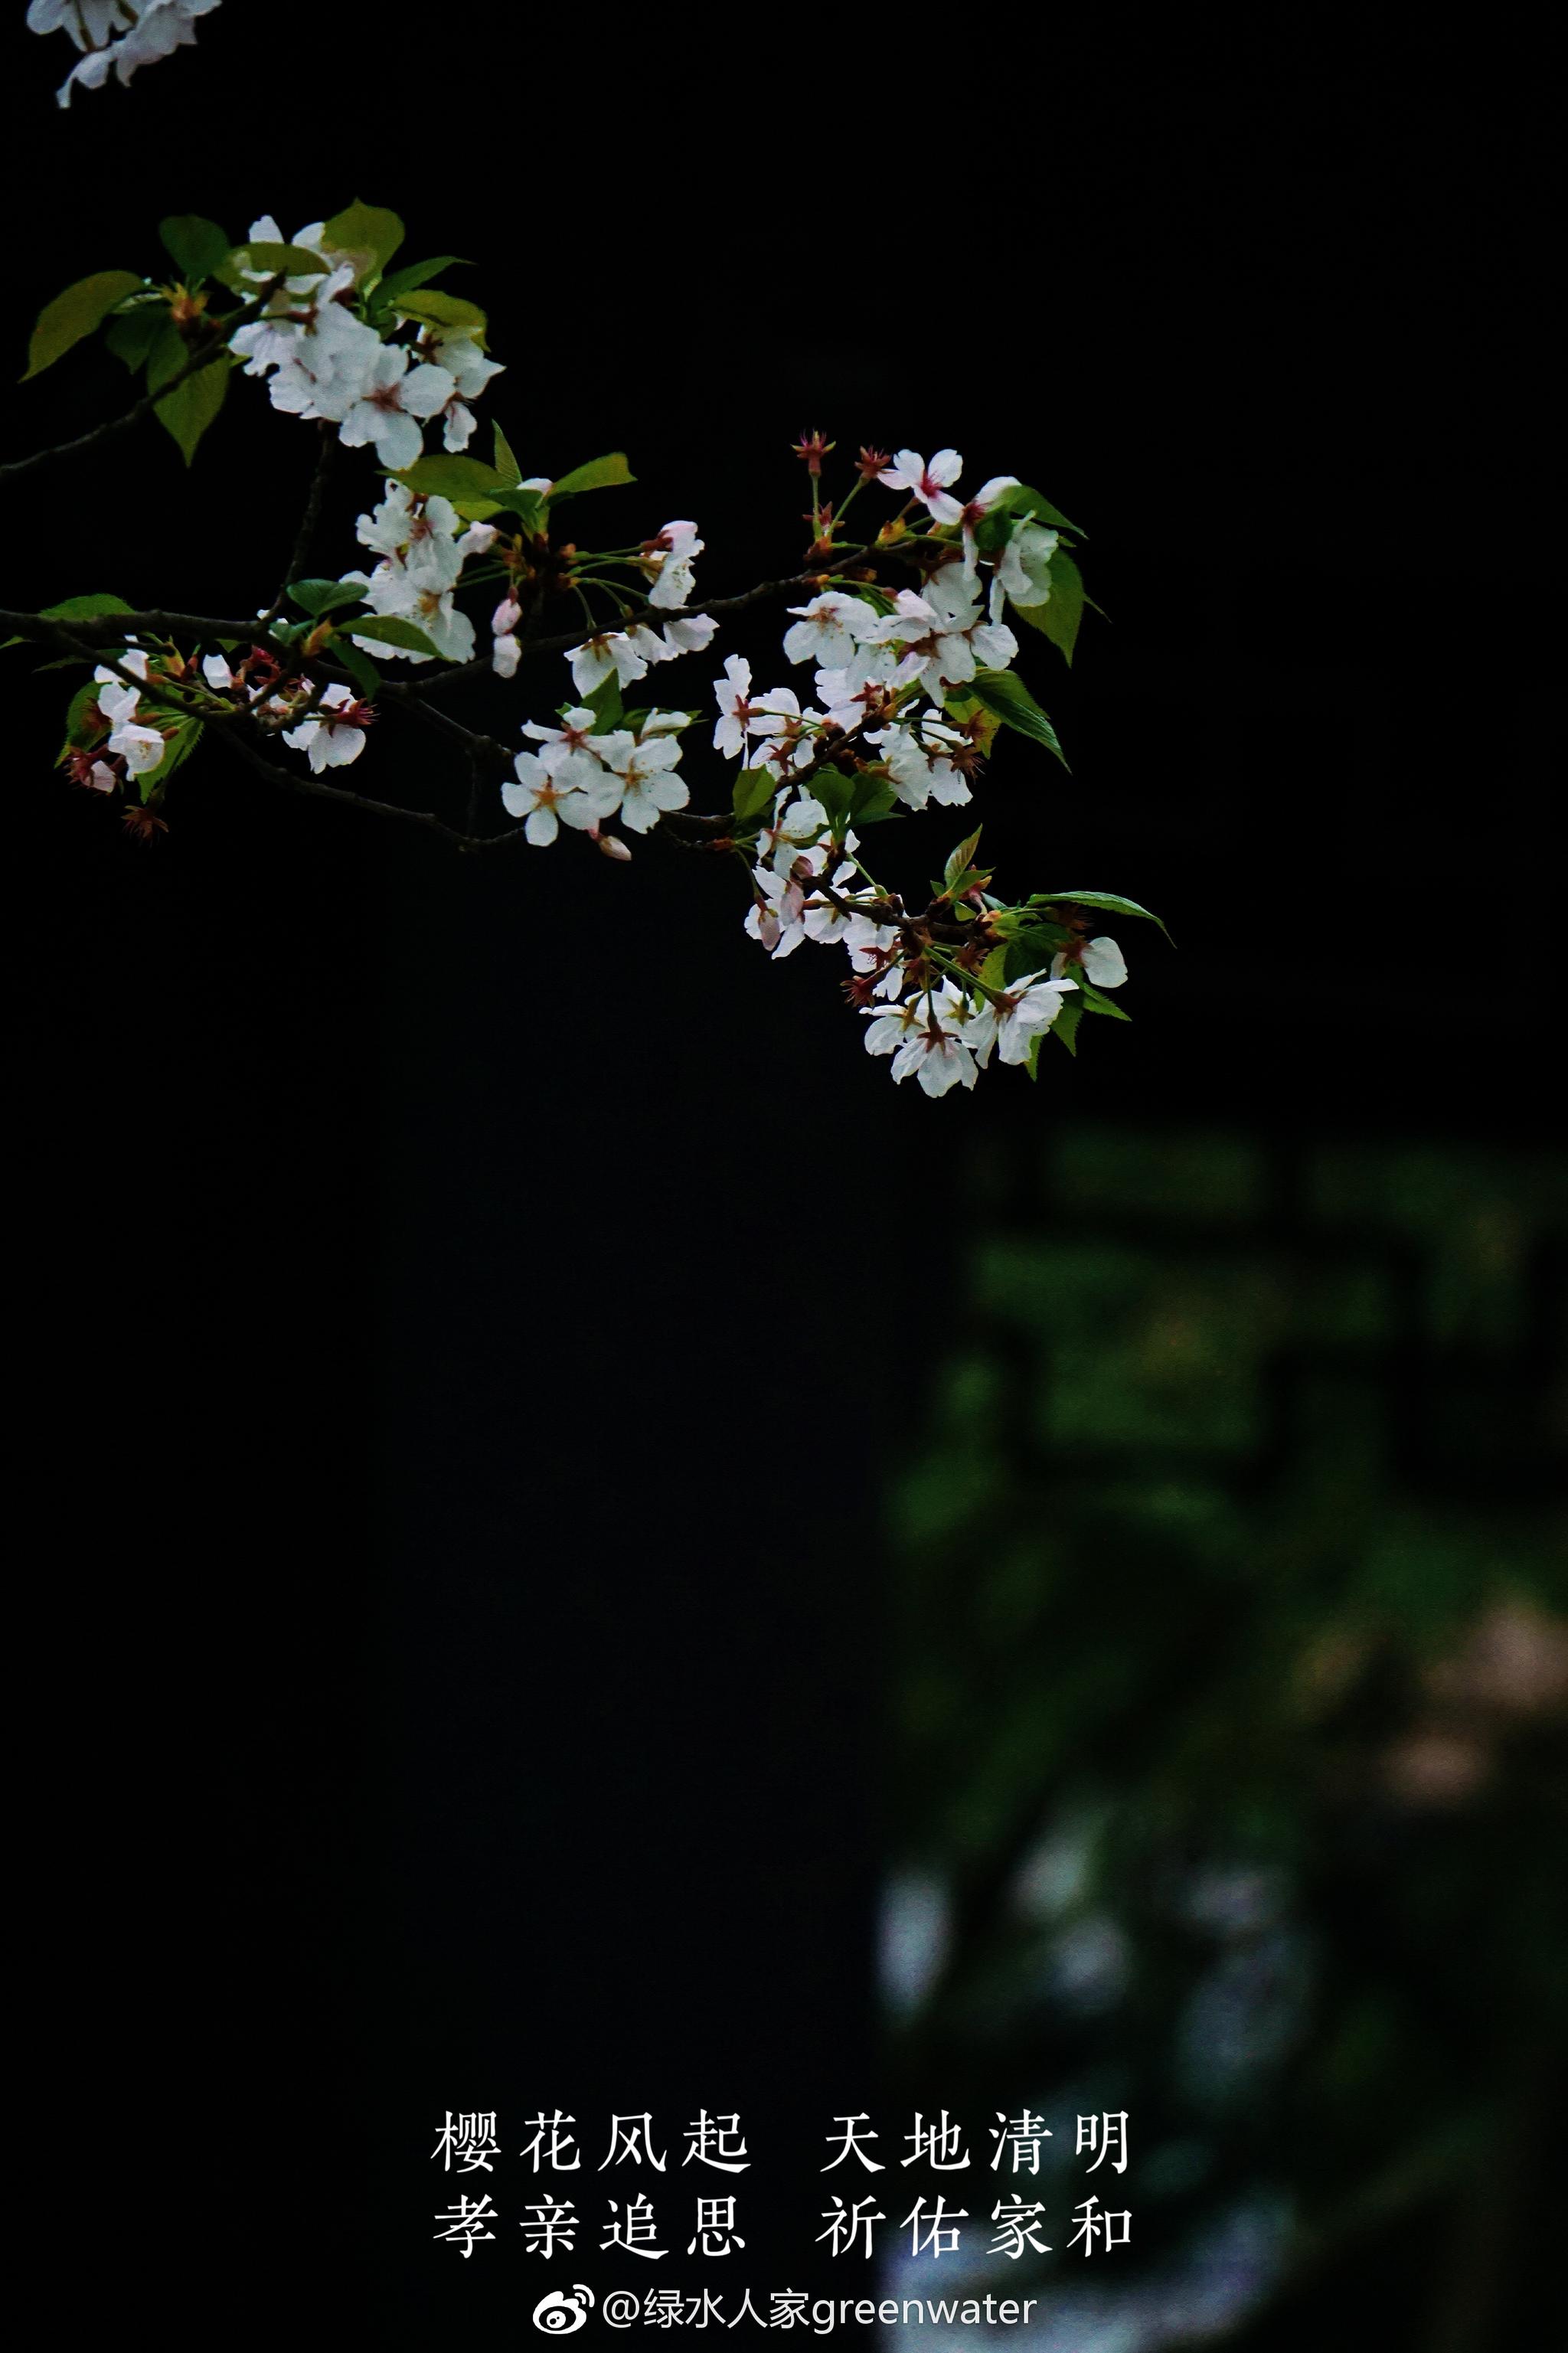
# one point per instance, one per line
(796, 823)
(743, 714)
(1104, 965)
(116, 36)
(389, 402)
(1023, 572)
(547, 798)
(921, 764)
(140, 747)
(860, 688)
(329, 742)
(1012, 1022)
(675, 550)
(648, 786)
(690, 635)
(776, 915)
(930, 485)
(984, 499)
(933, 1047)
(608, 653)
(471, 371)
(829, 629)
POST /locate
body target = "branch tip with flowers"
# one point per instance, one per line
(905, 624)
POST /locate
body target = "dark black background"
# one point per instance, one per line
(458, 1379)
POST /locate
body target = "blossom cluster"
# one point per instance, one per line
(116, 36)
(323, 359)
(907, 629)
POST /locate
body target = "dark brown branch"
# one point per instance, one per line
(207, 355)
(299, 554)
(112, 628)
(654, 616)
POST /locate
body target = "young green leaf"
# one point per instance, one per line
(1060, 616)
(92, 607)
(1109, 899)
(753, 791)
(449, 475)
(198, 247)
(598, 474)
(1023, 502)
(1093, 1002)
(415, 273)
(319, 596)
(359, 666)
(1009, 699)
(961, 708)
(187, 411)
(132, 334)
(1031, 950)
(390, 630)
(182, 744)
(86, 725)
(365, 228)
(604, 702)
(1065, 1026)
(962, 860)
(270, 262)
(76, 313)
(507, 466)
(449, 312)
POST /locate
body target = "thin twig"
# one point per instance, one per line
(300, 553)
(205, 356)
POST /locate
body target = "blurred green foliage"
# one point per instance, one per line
(1232, 1632)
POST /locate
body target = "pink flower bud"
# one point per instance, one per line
(505, 617)
(612, 845)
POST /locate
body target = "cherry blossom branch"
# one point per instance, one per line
(213, 347)
(712, 607)
(299, 554)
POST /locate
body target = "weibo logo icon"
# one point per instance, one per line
(561, 2315)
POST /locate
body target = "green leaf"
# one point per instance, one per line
(1032, 949)
(359, 666)
(1059, 617)
(961, 708)
(604, 702)
(448, 312)
(131, 335)
(1065, 1026)
(872, 797)
(368, 229)
(1094, 1002)
(325, 595)
(962, 860)
(753, 789)
(1009, 699)
(73, 608)
(390, 631)
(85, 608)
(506, 464)
(1023, 502)
(270, 261)
(182, 744)
(187, 411)
(82, 732)
(198, 247)
(76, 313)
(415, 273)
(833, 789)
(1106, 899)
(598, 474)
(448, 475)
